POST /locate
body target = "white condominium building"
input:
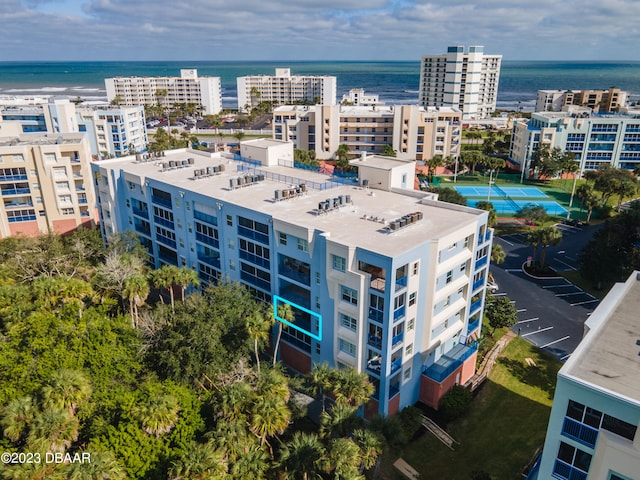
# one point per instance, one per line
(168, 91)
(284, 88)
(415, 133)
(468, 81)
(593, 428)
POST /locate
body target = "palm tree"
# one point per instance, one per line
(158, 414)
(253, 463)
(321, 378)
(16, 418)
(234, 399)
(339, 421)
(432, 164)
(548, 236)
(200, 462)
(258, 327)
(532, 238)
(103, 465)
(269, 417)
(488, 206)
(136, 291)
(370, 447)
(498, 254)
(344, 459)
(302, 457)
(342, 156)
(352, 388)
(185, 277)
(286, 313)
(53, 430)
(238, 136)
(165, 277)
(65, 390)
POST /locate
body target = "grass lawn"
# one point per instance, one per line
(505, 426)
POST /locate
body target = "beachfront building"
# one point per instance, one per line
(45, 181)
(466, 81)
(595, 139)
(357, 97)
(284, 89)
(593, 427)
(188, 88)
(381, 278)
(610, 100)
(414, 132)
(113, 131)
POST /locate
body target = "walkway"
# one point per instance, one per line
(406, 469)
(489, 360)
(438, 432)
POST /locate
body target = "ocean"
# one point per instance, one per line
(395, 82)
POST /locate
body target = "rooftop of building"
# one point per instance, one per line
(363, 222)
(379, 161)
(367, 109)
(265, 142)
(608, 358)
(41, 138)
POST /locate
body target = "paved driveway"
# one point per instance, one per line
(551, 310)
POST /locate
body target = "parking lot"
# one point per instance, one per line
(551, 310)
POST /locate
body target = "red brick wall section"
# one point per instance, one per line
(296, 359)
(371, 409)
(28, 229)
(394, 405)
(431, 391)
(64, 226)
(468, 369)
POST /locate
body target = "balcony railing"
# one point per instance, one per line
(164, 222)
(9, 178)
(375, 342)
(16, 191)
(473, 326)
(252, 234)
(401, 282)
(213, 242)
(580, 432)
(165, 202)
(475, 305)
(397, 339)
(213, 261)
(478, 284)
(376, 315)
(144, 213)
(399, 313)
(450, 362)
(395, 365)
(394, 390)
(293, 274)
(256, 260)
(567, 472)
(482, 262)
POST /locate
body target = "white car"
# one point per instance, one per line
(492, 286)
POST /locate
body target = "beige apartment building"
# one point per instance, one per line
(415, 133)
(608, 100)
(45, 181)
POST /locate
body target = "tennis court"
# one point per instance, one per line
(513, 192)
(511, 207)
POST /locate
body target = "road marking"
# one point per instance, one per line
(512, 301)
(582, 303)
(559, 286)
(529, 320)
(508, 243)
(555, 341)
(562, 359)
(521, 310)
(536, 331)
(513, 270)
(570, 266)
(499, 294)
(567, 294)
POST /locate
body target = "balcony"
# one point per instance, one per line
(209, 260)
(143, 213)
(450, 362)
(580, 432)
(13, 178)
(16, 191)
(394, 390)
(254, 235)
(478, 284)
(164, 222)
(255, 259)
(375, 342)
(397, 339)
(399, 313)
(165, 202)
(567, 472)
(482, 262)
(376, 315)
(213, 242)
(473, 326)
(396, 365)
(475, 305)
(298, 273)
(401, 282)
(374, 365)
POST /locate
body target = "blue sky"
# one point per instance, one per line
(316, 29)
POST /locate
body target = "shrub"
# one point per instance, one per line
(456, 402)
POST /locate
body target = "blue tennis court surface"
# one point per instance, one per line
(510, 207)
(513, 192)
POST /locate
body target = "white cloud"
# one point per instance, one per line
(316, 29)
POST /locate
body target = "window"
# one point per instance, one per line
(303, 245)
(414, 268)
(229, 220)
(407, 374)
(411, 324)
(399, 301)
(283, 238)
(412, 299)
(349, 295)
(339, 263)
(449, 276)
(317, 278)
(409, 349)
(348, 322)
(463, 267)
(619, 427)
(347, 347)
(18, 157)
(573, 457)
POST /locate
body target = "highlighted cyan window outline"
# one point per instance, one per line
(277, 299)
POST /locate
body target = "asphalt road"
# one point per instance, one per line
(551, 310)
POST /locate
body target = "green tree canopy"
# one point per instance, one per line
(500, 312)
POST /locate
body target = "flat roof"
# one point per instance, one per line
(354, 224)
(36, 138)
(265, 142)
(380, 162)
(609, 355)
